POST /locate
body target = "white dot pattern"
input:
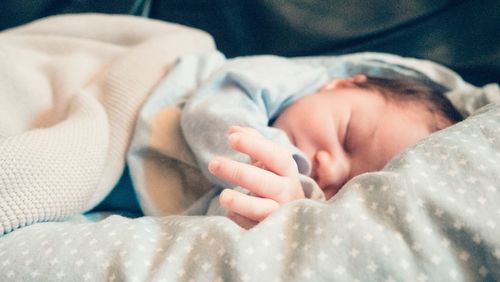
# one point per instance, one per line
(432, 215)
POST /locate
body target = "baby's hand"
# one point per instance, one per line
(273, 178)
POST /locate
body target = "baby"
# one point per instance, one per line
(348, 127)
(297, 129)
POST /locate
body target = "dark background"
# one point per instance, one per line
(460, 34)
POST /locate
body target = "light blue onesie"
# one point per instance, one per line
(213, 93)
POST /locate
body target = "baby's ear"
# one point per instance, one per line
(333, 84)
(440, 122)
(344, 82)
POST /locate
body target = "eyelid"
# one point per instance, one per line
(346, 143)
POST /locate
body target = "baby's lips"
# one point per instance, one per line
(331, 190)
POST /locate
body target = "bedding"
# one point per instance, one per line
(432, 214)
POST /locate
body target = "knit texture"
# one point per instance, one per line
(70, 91)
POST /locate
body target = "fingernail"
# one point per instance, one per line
(233, 129)
(233, 138)
(213, 164)
(225, 196)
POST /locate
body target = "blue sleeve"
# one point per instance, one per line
(249, 91)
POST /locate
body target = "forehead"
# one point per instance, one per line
(389, 130)
(368, 102)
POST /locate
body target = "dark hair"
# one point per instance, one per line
(431, 94)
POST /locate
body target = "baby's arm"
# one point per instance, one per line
(247, 92)
(272, 178)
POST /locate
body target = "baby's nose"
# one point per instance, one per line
(331, 172)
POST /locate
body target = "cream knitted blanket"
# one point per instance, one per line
(70, 91)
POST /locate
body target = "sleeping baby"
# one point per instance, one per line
(272, 130)
(349, 127)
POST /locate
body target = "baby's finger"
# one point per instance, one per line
(249, 130)
(241, 220)
(251, 207)
(259, 181)
(269, 153)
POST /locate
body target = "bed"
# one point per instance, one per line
(432, 214)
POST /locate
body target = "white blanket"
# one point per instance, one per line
(70, 90)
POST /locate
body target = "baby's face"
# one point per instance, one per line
(347, 131)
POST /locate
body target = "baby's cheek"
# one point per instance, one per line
(367, 162)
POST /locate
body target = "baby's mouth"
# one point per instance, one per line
(331, 190)
(328, 189)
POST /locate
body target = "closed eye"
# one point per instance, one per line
(348, 136)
